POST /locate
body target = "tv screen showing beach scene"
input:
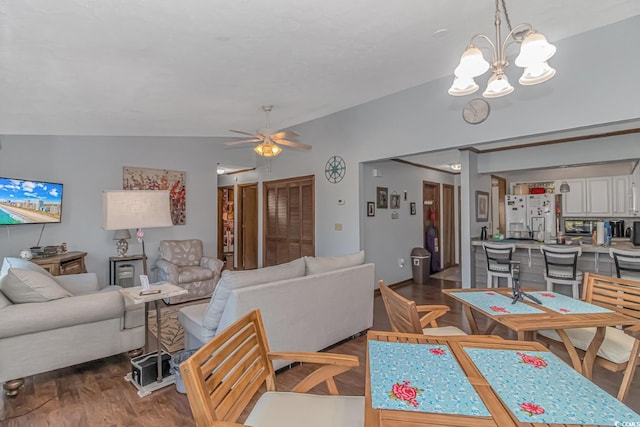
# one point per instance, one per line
(24, 201)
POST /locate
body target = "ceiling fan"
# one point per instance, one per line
(269, 139)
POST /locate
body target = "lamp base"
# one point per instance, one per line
(122, 247)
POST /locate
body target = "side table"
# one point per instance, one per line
(167, 290)
(113, 264)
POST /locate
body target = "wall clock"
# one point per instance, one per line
(476, 111)
(334, 169)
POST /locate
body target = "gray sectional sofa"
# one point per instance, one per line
(307, 304)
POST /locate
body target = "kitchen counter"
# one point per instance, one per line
(594, 259)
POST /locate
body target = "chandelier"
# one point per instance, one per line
(535, 51)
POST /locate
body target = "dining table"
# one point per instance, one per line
(555, 311)
(421, 380)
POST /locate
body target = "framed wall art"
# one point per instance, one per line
(482, 206)
(134, 178)
(371, 209)
(395, 201)
(382, 197)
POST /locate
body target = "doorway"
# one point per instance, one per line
(432, 222)
(248, 226)
(226, 225)
(498, 193)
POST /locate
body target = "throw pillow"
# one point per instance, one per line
(12, 262)
(231, 280)
(22, 286)
(316, 265)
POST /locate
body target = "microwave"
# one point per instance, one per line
(579, 227)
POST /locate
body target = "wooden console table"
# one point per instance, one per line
(58, 265)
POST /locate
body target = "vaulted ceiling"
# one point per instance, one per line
(201, 67)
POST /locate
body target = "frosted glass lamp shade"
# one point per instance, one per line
(535, 49)
(463, 86)
(124, 209)
(498, 86)
(537, 73)
(472, 63)
(267, 149)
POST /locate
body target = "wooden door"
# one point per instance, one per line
(289, 220)
(431, 202)
(448, 226)
(248, 227)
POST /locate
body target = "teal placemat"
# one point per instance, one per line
(420, 377)
(538, 387)
(567, 305)
(494, 303)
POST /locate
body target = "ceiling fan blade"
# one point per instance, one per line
(244, 141)
(293, 144)
(242, 132)
(285, 134)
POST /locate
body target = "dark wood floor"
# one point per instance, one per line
(95, 393)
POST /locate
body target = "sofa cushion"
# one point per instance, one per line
(4, 301)
(12, 262)
(194, 273)
(316, 265)
(22, 286)
(181, 252)
(231, 280)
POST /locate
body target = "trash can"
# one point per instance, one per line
(175, 362)
(420, 263)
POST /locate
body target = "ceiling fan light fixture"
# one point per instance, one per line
(267, 149)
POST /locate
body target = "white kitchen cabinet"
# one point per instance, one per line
(621, 195)
(574, 203)
(599, 200)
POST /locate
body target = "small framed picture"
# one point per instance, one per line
(412, 208)
(482, 206)
(395, 201)
(371, 209)
(382, 198)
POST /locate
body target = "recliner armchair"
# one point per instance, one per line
(182, 263)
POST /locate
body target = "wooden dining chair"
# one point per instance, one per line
(620, 349)
(404, 315)
(222, 377)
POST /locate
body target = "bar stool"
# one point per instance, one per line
(561, 265)
(627, 263)
(498, 252)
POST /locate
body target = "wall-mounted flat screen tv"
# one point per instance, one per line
(25, 201)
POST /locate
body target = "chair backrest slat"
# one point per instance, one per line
(614, 293)
(561, 261)
(495, 252)
(627, 263)
(402, 312)
(225, 373)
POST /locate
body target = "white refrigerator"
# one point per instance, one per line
(527, 214)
